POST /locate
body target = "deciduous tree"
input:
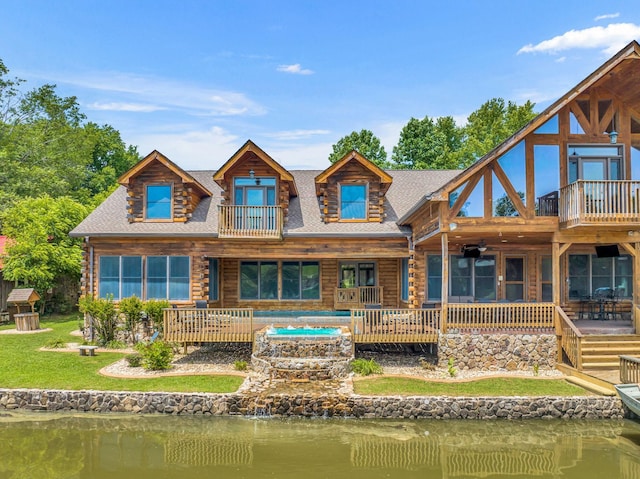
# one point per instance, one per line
(365, 143)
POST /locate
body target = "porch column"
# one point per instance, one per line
(636, 289)
(445, 282)
(555, 286)
(411, 273)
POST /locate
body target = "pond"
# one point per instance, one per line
(47, 446)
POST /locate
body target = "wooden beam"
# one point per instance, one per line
(629, 248)
(464, 195)
(445, 282)
(636, 288)
(488, 193)
(564, 248)
(510, 190)
(555, 269)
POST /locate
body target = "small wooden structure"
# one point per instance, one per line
(25, 297)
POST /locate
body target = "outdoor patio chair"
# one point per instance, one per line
(201, 304)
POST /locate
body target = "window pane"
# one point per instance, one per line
(310, 280)
(156, 277)
(579, 276)
(434, 275)
(347, 275)
(179, 277)
(549, 127)
(514, 292)
(547, 269)
(269, 280)
(159, 202)
(353, 202)
(485, 278)
(249, 280)
(109, 277)
(461, 276)
(546, 164)
(366, 274)
(547, 292)
(404, 279)
(290, 280)
(514, 269)
(213, 279)
(131, 276)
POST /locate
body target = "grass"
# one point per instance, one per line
(22, 365)
(482, 387)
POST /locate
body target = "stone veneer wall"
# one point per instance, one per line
(492, 352)
(350, 406)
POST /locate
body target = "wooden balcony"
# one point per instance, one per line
(237, 221)
(601, 203)
(356, 298)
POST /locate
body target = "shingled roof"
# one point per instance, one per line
(409, 187)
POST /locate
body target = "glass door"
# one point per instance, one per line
(514, 278)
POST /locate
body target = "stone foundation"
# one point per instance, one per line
(301, 405)
(491, 352)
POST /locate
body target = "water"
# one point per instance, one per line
(59, 446)
(304, 331)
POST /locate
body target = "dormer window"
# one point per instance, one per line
(255, 191)
(158, 202)
(353, 202)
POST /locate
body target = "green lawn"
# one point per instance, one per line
(22, 365)
(381, 386)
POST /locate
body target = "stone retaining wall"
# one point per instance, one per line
(350, 406)
(491, 352)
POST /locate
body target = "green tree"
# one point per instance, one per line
(47, 148)
(428, 144)
(365, 143)
(490, 125)
(41, 251)
(505, 207)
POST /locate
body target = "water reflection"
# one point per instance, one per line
(57, 446)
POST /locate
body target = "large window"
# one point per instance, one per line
(158, 202)
(353, 275)
(353, 202)
(168, 277)
(475, 277)
(588, 273)
(120, 276)
(404, 279)
(294, 279)
(256, 191)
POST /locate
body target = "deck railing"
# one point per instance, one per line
(599, 202)
(190, 325)
(571, 342)
(489, 317)
(629, 370)
(395, 325)
(238, 221)
(355, 298)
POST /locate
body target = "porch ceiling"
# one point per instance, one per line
(494, 240)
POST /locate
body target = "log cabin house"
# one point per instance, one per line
(541, 232)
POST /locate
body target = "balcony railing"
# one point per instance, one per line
(604, 203)
(238, 221)
(355, 298)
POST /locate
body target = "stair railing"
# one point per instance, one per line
(571, 339)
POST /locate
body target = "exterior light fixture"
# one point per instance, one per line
(252, 174)
(613, 137)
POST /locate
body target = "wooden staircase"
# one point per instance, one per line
(603, 351)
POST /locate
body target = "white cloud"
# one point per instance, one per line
(606, 16)
(561, 59)
(296, 134)
(191, 150)
(306, 156)
(610, 38)
(295, 69)
(165, 94)
(116, 106)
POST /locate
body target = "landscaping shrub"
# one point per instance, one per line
(56, 343)
(154, 308)
(134, 360)
(131, 308)
(365, 367)
(240, 365)
(102, 313)
(156, 356)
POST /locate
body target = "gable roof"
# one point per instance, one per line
(385, 178)
(630, 53)
(155, 155)
(250, 146)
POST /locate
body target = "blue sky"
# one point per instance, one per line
(196, 79)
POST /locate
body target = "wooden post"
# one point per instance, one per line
(555, 286)
(636, 289)
(445, 282)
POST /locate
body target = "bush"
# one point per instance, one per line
(240, 365)
(134, 360)
(115, 344)
(131, 308)
(56, 343)
(154, 308)
(102, 314)
(365, 367)
(156, 356)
